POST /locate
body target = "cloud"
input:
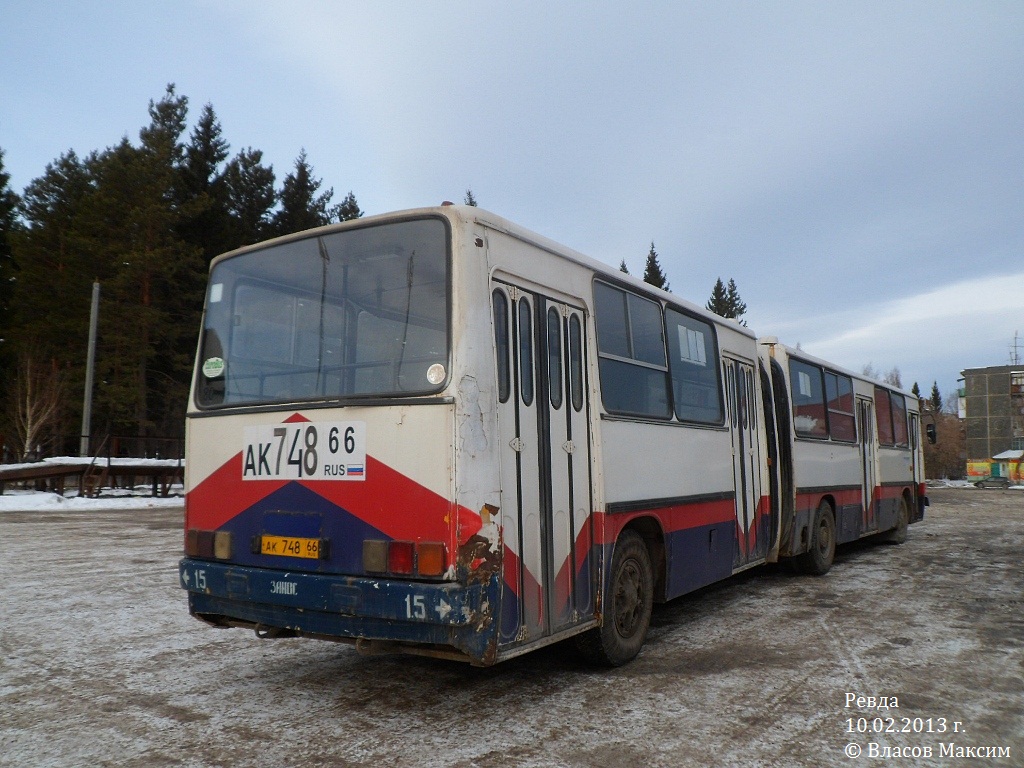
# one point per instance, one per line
(931, 335)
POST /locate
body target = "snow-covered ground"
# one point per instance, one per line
(964, 484)
(101, 665)
(13, 500)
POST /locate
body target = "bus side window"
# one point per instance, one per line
(809, 419)
(883, 414)
(501, 345)
(525, 352)
(576, 363)
(555, 357)
(631, 353)
(693, 363)
(899, 421)
(839, 393)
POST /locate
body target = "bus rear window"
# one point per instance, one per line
(350, 313)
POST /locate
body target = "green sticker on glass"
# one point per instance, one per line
(213, 367)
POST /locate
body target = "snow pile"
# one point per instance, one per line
(35, 501)
(943, 483)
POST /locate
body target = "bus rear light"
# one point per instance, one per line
(375, 556)
(199, 543)
(404, 558)
(222, 545)
(208, 544)
(430, 558)
(401, 557)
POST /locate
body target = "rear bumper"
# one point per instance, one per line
(345, 607)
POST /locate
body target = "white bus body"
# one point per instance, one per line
(437, 432)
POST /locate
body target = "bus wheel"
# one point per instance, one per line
(818, 559)
(898, 535)
(627, 605)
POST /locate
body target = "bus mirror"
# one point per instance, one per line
(929, 430)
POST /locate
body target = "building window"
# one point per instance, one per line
(1017, 382)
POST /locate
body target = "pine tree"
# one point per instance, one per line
(916, 391)
(653, 273)
(301, 206)
(134, 223)
(725, 301)
(349, 208)
(206, 150)
(470, 200)
(201, 190)
(623, 268)
(250, 196)
(54, 282)
(936, 398)
(143, 218)
(50, 252)
(8, 271)
(8, 220)
(736, 306)
(719, 301)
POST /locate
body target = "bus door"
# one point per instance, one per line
(866, 435)
(545, 462)
(752, 529)
(916, 470)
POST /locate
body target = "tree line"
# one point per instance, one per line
(725, 299)
(144, 219)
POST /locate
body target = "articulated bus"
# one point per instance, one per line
(436, 432)
(849, 453)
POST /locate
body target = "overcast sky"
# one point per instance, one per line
(857, 168)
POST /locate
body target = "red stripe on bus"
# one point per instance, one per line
(222, 496)
(387, 500)
(679, 517)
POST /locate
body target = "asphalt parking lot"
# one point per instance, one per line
(100, 665)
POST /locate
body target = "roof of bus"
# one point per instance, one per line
(467, 214)
(801, 355)
(494, 221)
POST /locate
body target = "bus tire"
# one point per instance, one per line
(822, 547)
(628, 604)
(898, 535)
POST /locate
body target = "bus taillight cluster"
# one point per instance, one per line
(404, 558)
(208, 544)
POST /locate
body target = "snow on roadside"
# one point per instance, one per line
(964, 484)
(36, 501)
(98, 461)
